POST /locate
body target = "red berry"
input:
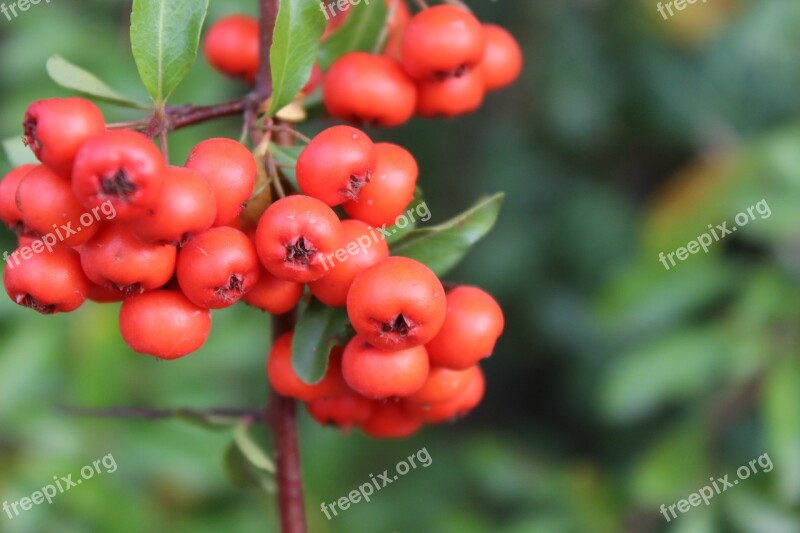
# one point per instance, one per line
(57, 127)
(377, 374)
(100, 294)
(164, 324)
(344, 410)
(469, 398)
(49, 208)
(361, 247)
(217, 267)
(369, 89)
(502, 60)
(46, 280)
(230, 169)
(316, 79)
(115, 258)
(391, 189)
(443, 385)
(122, 167)
(274, 295)
(186, 207)
(442, 41)
(294, 236)
(473, 323)
(231, 46)
(286, 382)
(397, 304)
(456, 95)
(336, 164)
(391, 420)
(9, 211)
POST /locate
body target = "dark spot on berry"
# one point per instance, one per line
(300, 252)
(132, 289)
(457, 72)
(354, 185)
(31, 139)
(118, 185)
(398, 326)
(32, 303)
(233, 291)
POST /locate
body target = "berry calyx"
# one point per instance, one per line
(397, 304)
(164, 324)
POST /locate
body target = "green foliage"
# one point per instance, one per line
(359, 33)
(319, 328)
(295, 42)
(165, 35)
(77, 79)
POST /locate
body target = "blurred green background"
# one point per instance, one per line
(618, 385)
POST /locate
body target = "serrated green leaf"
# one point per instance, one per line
(360, 32)
(17, 153)
(318, 330)
(287, 156)
(165, 35)
(442, 247)
(781, 398)
(77, 79)
(295, 42)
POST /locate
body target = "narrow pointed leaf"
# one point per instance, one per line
(77, 79)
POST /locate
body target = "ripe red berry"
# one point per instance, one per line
(9, 211)
(164, 324)
(469, 398)
(293, 237)
(377, 374)
(443, 385)
(473, 323)
(397, 304)
(274, 295)
(230, 169)
(361, 248)
(442, 41)
(336, 164)
(49, 206)
(120, 166)
(286, 382)
(115, 258)
(100, 294)
(391, 420)
(316, 79)
(369, 89)
(57, 127)
(456, 95)
(344, 410)
(217, 267)
(502, 60)
(47, 281)
(389, 191)
(185, 207)
(231, 46)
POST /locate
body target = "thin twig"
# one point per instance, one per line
(147, 413)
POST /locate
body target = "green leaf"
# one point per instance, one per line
(17, 153)
(75, 78)
(165, 35)
(781, 398)
(287, 157)
(242, 473)
(418, 209)
(251, 449)
(247, 462)
(442, 247)
(360, 32)
(295, 42)
(318, 329)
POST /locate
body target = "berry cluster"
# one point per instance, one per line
(179, 243)
(440, 62)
